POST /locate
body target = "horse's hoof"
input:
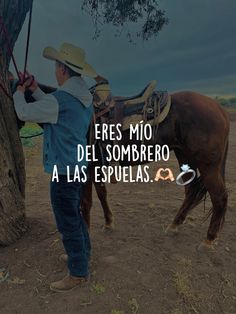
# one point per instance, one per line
(172, 230)
(206, 246)
(108, 227)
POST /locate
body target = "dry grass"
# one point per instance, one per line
(183, 286)
(186, 262)
(134, 306)
(176, 311)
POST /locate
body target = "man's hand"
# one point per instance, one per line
(29, 83)
(21, 88)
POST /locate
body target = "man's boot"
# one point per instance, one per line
(67, 283)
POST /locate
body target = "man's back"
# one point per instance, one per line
(61, 139)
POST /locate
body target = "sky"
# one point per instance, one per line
(195, 51)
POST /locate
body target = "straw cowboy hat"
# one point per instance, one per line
(73, 57)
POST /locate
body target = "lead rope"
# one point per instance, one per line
(10, 52)
(31, 136)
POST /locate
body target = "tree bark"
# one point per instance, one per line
(12, 165)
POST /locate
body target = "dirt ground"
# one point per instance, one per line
(136, 268)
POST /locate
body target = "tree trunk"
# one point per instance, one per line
(12, 166)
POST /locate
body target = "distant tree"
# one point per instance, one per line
(119, 13)
(223, 101)
(122, 13)
(232, 101)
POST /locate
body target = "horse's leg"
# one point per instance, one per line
(194, 192)
(215, 185)
(184, 209)
(86, 202)
(102, 195)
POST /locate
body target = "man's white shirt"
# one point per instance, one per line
(46, 108)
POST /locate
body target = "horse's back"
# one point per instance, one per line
(200, 105)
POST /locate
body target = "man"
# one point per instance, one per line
(65, 115)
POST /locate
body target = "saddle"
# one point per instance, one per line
(149, 105)
(140, 98)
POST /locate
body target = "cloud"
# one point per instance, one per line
(196, 50)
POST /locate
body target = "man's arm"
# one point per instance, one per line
(38, 94)
(44, 110)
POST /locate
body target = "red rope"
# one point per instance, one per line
(10, 52)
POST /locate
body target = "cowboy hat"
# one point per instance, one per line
(73, 57)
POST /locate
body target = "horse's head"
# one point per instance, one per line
(101, 93)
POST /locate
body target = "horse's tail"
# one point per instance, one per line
(198, 192)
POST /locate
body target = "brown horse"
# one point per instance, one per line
(197, 129)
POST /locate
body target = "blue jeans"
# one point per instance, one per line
(65, 200)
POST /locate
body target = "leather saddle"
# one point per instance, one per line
(140, 98)
(147, 106)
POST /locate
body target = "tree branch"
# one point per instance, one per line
(120, 13)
